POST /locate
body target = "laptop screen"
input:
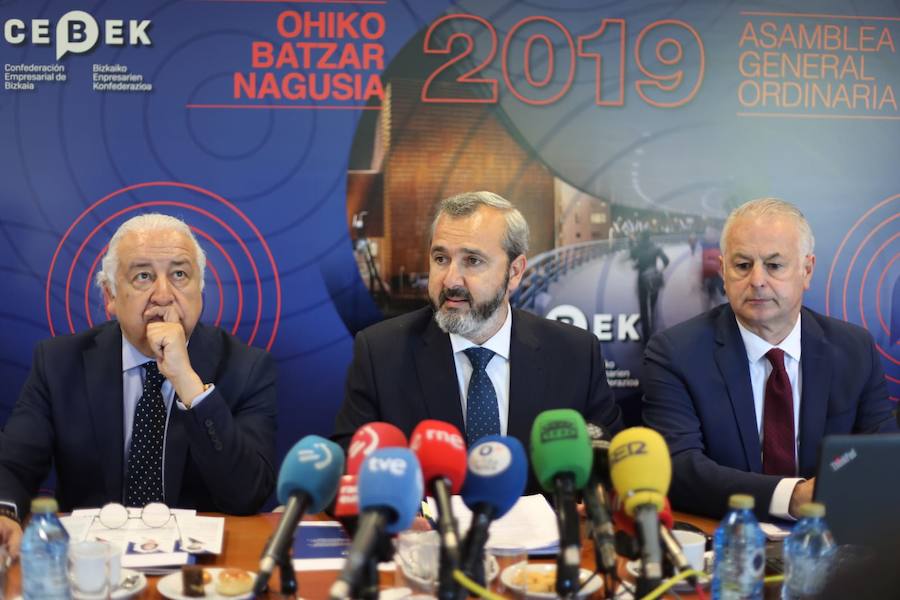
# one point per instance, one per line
(859, 483)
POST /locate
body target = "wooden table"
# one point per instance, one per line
(245, 538)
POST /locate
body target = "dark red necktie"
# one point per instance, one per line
(778, 420)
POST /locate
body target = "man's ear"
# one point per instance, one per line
(109, 301)
(516, 270)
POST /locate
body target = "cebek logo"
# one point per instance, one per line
(77, 32)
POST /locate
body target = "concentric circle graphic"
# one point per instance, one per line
(245, 298)
(864, 279)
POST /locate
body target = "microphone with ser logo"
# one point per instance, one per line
(641, 470)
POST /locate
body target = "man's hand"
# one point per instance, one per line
(11, 535)
(170, 347)
(803, 493)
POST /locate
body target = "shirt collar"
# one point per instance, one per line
(757, 347)
(498, 343)
(131, 356)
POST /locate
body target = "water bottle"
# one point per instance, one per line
(44, 554)
(808, 554)
(740, 549)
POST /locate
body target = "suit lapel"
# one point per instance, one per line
(436, 372)
(204, 354)
(731, 358)
(526, 379)
(105, 405)
(815, 370)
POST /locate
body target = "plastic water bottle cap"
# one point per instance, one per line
(812, 509)
(44, 504)
(741, 501)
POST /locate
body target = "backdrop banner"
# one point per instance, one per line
(306, 144)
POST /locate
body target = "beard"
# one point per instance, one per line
(468, 323)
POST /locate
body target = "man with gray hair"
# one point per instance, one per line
(744, 393)
(469, 359)
(151, 407)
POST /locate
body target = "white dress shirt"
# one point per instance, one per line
(133, 388)
(760, 368)
(497, 370)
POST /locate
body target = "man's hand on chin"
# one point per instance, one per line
(803, 493)
(167, 340)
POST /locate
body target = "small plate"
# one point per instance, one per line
(545, 569)
(493, 571)
(171, 586)
(121, 593)
(632, 567)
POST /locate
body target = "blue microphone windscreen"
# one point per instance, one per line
(390, 478)
(496, 475)
(314, 466)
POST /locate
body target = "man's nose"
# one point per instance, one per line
(162, 291)
(452, 276)
(758, 275)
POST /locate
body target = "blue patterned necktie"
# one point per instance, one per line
(144, 484)
(482, 412)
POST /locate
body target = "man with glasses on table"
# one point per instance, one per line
(151, 407)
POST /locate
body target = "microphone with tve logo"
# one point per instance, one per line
(390, 490)
(307, 482)
(641, 471)
(561, 457)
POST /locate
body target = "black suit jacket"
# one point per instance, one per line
(697, 393)
(403, 372)
(219, 456)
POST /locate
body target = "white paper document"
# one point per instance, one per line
(529, 524)
(145, 547)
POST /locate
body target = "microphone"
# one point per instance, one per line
(366, 440)
(441, 450)
(307, 482)
(596, 502)
(626, 542)
(369, 438)
(498, 471)
(626, 535)
(561, 456)
(676, 554)
(641, 470)
(390, 490)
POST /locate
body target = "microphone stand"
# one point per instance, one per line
(367, 588)
(568, 561)
(288, 578)
(449, 550)
(286, 571)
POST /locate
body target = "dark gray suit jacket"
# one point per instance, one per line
(219, 456)
(403, 372)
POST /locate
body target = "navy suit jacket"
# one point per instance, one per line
(697, 393)
(219, 456)
(403, 372)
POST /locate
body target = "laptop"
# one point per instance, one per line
(859, 483)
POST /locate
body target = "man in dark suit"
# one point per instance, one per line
(428, 364)
(743, 394)
(201, 437)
